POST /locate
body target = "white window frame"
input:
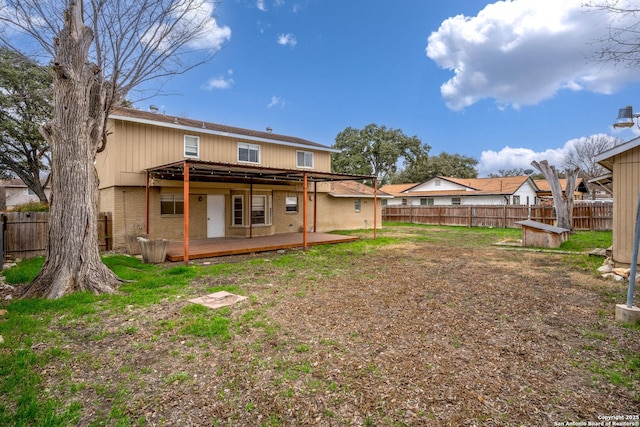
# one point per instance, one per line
(456, 201)
(357, 204)
(234, 210)
(307, 159)
(250, 148)
(516, 200)
(187, 146)
(291, 204)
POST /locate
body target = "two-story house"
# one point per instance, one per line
(163, 175)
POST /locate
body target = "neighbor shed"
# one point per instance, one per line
(542, 235)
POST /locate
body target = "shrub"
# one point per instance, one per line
(31, 207)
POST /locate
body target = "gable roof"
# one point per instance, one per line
(470, 187)
(606, 157)
(174, 122)
(499, 185)
(396, 189)
(543, 185)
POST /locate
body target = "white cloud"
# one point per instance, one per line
(260, 4)
(220, 82)
(191, 15)
(287, 40)
(516, 158)
(521, 52)
(216, 35)
(276, 101)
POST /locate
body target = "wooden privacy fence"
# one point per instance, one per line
(591, 216)
(25, 233)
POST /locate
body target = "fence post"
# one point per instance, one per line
(504, 216)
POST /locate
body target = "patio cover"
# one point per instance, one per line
(200, 171)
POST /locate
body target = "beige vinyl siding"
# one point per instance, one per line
(134, 147)
(626, 178)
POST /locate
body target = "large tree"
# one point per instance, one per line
(582, 155)
(375, 150)
(95, 66)
(562, 199)
(25, 104)
(444, 164)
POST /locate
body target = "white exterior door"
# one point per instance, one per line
(215, 215)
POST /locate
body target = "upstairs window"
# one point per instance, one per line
(248, 153)
(191, 146)
(171, 204)
(304, 159)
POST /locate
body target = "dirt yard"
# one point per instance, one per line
(423, 333)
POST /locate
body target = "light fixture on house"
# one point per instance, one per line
(625, 117)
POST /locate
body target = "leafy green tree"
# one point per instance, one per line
(444, 164)
(26, 104)
(375, 150)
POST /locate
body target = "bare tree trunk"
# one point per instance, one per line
(73, 260)
(562, 200)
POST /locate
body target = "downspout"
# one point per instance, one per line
(186, 212)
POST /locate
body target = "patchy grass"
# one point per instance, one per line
(423, 326)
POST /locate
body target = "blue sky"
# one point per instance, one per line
(504, 82)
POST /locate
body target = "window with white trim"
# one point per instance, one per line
(191, 146)
(238, 210)
(455, 200)
(426, 201)
(516, 200)
(248, 153)
(259, 210)
(291, 204)
(304, 159)
(171, 204)
(356, 205)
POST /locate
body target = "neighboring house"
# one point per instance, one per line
(17, 193)
(238, 182)
(581, 191)
(517, 190)
(624, 163)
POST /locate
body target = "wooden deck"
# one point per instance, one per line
(209, 248)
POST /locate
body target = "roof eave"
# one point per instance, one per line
(221, 133)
